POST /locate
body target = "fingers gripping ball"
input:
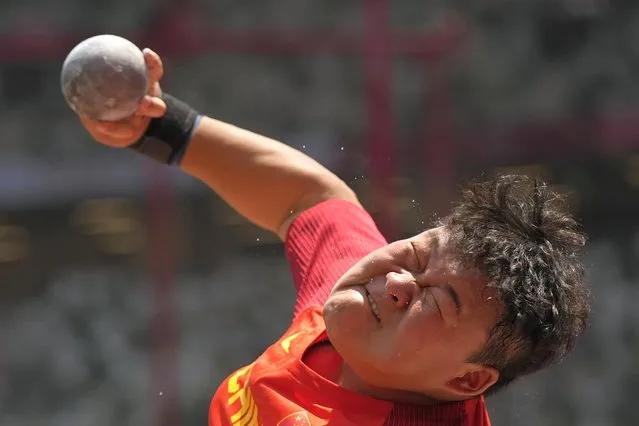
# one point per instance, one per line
(104, 78)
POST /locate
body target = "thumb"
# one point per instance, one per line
(151, 106)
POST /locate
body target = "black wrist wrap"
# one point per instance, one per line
(167, 137)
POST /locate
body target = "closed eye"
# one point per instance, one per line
(452, 293)
(430, 294)
(415, 255)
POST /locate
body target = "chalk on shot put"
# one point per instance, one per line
(104, 78)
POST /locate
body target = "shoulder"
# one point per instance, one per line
(341, 202)
(333, 215)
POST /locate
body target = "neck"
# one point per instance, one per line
(348, 379)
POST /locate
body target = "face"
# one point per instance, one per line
(407, 317)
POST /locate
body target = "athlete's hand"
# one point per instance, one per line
(126, 132)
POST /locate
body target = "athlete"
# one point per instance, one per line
(414, 332)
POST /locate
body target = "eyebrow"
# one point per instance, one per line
(455, 296)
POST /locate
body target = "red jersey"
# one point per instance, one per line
(279, 388)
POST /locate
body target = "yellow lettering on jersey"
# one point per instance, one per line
(251, 417)
(246, 413)
(286, 343)
(234, 385)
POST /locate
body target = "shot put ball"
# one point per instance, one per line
(104, 78)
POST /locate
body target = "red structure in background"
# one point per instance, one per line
(163, 264)
(175, 36)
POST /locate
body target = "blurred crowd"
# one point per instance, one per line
(548, 86)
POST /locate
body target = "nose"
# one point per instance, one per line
(401, 288)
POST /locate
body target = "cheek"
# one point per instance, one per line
(416, 351)
(424, 340)
(421, 334)
(413, 337)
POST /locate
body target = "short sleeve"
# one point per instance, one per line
(325, 241)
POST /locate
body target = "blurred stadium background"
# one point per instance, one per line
(129, 291)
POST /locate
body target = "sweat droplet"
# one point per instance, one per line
(161, 393)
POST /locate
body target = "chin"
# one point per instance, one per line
(350, 333)
(340, 316)
(344, 323)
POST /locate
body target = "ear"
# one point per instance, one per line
(473, 381)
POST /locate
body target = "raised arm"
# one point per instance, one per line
(264, 180)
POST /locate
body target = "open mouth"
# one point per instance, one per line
(373, 305)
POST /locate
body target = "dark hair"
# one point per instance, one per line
(524, 238)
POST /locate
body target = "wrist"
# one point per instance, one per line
(166, 139)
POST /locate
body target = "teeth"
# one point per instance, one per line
(373, 305)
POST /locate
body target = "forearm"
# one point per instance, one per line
(264, 180)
